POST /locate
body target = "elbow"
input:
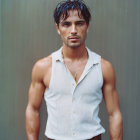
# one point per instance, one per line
(31, 117)
(116, 117)
(32, 121)
(31, 112)
(116, 126)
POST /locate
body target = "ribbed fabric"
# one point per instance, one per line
(73, 107)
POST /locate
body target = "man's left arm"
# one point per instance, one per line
(112, 101)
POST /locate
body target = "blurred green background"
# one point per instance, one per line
(27, 33)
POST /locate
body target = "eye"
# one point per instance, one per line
(80, 23)
(66, 24)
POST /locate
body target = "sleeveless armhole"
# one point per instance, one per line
(100, 70)
(52, 55)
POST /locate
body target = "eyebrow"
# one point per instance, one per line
(78, 21)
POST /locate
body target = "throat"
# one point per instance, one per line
(74, 54)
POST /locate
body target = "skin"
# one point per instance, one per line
(73, 33)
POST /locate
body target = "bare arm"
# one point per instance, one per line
(35, 98)
(112, 102)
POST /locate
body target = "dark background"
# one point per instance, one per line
(27, 33)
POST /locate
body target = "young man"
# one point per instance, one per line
(73, 81)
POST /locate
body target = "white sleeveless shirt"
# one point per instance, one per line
(73, 107)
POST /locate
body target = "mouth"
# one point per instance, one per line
(73, 38)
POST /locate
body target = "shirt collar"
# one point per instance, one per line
(92, 57)
(58, 56)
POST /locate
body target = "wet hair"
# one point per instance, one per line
(62, 10)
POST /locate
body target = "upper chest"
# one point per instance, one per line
(62, 83)
(76, 68)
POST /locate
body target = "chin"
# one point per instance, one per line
(74, 45)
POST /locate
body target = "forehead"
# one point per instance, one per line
(73, 15)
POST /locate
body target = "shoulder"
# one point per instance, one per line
(43, 63)
(41, 67)
(108, 71)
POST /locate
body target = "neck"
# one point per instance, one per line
(74, 53)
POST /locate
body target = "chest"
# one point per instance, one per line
(62, 81)
(76, 68)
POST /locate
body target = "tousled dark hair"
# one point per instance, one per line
(63, 7)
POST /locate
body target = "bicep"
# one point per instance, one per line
(111, 99)
(109, 89)
(36, 92)
(37, 88)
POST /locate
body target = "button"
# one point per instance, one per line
(73, 112)
(73, 100)
(73, 134)
(73, 84)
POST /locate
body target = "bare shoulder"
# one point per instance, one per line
(41, 67)
(43, 63)
(108, 70)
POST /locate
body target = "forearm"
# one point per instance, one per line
(116, 126)
(32, 124)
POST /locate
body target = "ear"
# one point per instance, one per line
(87, 28)
(57, 28)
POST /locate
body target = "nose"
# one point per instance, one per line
(73, 30)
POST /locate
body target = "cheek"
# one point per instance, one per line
(63, 33)
(83, 33)
(63, 36)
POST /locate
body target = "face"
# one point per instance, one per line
(73, 30)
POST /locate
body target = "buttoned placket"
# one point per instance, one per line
(74, 85)
(73, 88)
(73, 115)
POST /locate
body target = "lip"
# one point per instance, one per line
(73, 38)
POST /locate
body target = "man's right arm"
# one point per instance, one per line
(36, 92)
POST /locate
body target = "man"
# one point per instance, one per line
(72, 80)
